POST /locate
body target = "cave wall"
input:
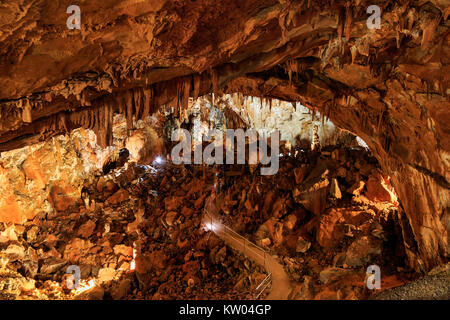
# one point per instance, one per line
(46, 178)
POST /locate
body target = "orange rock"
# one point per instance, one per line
(199, 202)
(378, 189)
(171, 217)
(106, 274)
(111, 187)
(191, 267)
(144, 145)
(187, 212)
(357, 188)
(331, 226)
(62, 197)
(362, 250)
(76, 248)
(327, 294)
(290, 222)
(173, 203)
(330, 231)
(155, 260)
(123, 250)
(300, 174)
(118, 197)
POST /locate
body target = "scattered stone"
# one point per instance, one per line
(302, 245)
(86, 229)
(335, 192)
(118, 197)
(14, 252)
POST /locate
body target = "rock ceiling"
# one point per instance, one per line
(390, 85)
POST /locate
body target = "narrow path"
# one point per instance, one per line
(281, 284)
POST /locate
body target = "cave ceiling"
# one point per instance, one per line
(389, 85)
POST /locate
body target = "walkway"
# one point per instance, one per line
(281, 284)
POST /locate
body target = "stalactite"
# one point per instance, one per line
(185, 94)
(121, 103)
(354, 51)
(340, 28)
(137, 96)
(91, 119)
(197, 82)
(215, 80)
(178, 99)
(129, 110)
(109, 118)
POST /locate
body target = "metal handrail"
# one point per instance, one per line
(268, 279)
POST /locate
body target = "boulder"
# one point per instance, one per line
(123, 250)
(86, 229)
(121, 290)
(106, 274)
(357, 188)
(362, 250)
(313, 192)
(331, 274)
(171, 218)
(118, 197)
(300, 174)
(379, 189)
(95, 293)
(52, 265)
(302, 245)
(14, 252)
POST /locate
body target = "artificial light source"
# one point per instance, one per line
(158, 160)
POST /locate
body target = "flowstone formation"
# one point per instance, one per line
(387, 85)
